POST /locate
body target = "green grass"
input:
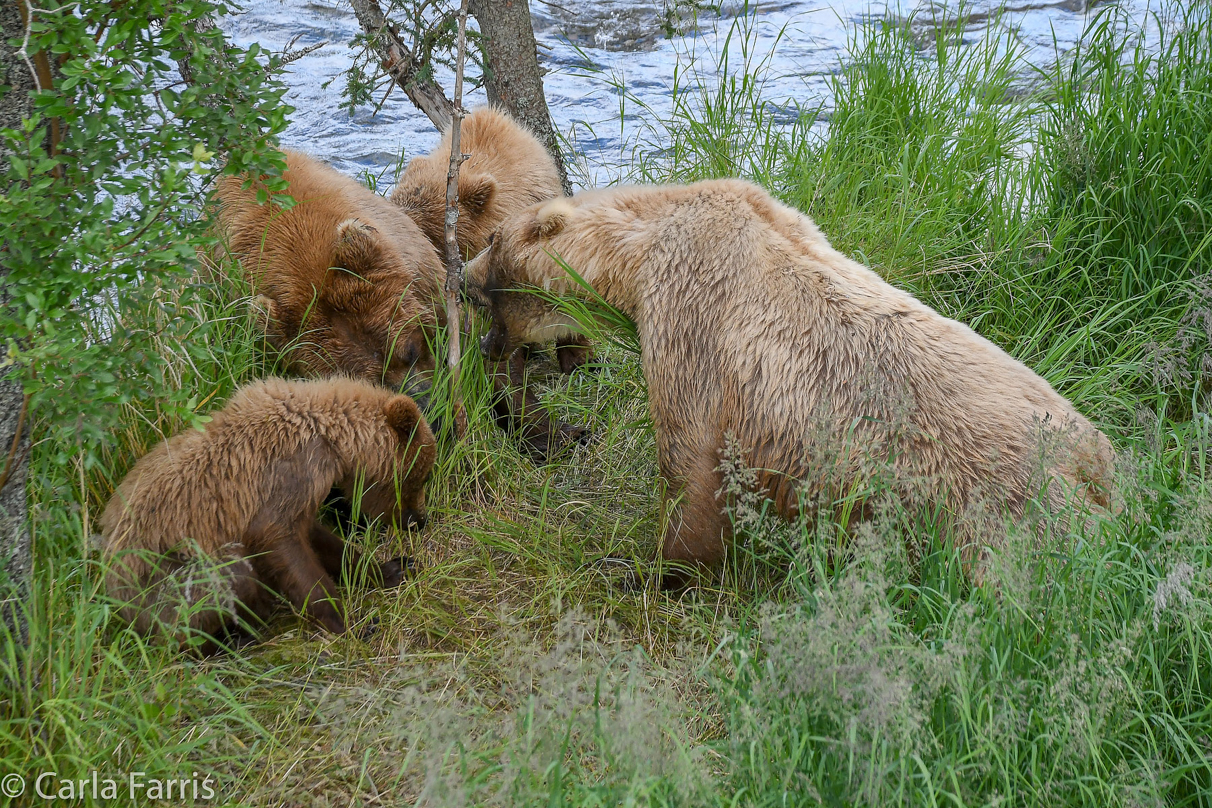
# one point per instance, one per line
(1067, 223)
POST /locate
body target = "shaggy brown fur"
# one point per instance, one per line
(507, 169)
(210, 522)
(348, 285)
(754, 327)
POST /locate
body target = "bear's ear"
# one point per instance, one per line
(476, 191)
(357, 245)
(403, 415)
(267, 315)
(264, 310)
(553, 217)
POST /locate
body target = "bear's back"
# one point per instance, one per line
(296, 247)
(204, 485)
(797, 329)
(524, 170)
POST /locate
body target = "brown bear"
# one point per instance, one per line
(210, 522)
(348, 285)
(757, 333)
(506, 169)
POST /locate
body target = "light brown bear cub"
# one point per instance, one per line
(754, 329)
(209, 523)
(506, 169)
(349, 286)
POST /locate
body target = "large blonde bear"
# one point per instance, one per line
(755, 330)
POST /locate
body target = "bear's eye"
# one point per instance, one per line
(404, 355)
(491, 238)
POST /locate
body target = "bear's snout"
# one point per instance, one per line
(417, 385)
(474, 294)
(495, 342)
(415, 520)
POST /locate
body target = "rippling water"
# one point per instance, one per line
(591, 47)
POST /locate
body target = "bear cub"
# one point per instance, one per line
(347, 285)
(506, 170)
(210, 523)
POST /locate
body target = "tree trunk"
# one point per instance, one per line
(201, 26)
(512, 75)
(15, 550)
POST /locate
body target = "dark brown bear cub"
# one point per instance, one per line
(347, 284)
(210, 523)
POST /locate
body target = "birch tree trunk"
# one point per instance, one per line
(15, 550)
(512, 76)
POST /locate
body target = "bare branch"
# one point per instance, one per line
(402, 64)
(287, 56)
(454, 263)
(27, 18)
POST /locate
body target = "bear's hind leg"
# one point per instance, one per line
(253, 605)
(698, 528)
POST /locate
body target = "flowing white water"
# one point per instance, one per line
(590, 47)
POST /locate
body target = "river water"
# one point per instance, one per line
(593, 48)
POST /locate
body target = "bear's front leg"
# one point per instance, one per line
(698, 529)
(296, 571)
(340, 559)
(519, 410)
(573, 352)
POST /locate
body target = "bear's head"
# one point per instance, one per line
(514, 276)
(505, 169)
(421, 195)
(393, 487)
(372, 317)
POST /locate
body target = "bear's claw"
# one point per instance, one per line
(395, 571)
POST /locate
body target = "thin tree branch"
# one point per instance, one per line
(27, 19)
(287, 56)
(402, 64)
(12, 452)
(454, 264)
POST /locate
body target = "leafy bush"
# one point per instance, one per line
(106, 221)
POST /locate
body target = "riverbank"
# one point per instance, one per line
(829, 663)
